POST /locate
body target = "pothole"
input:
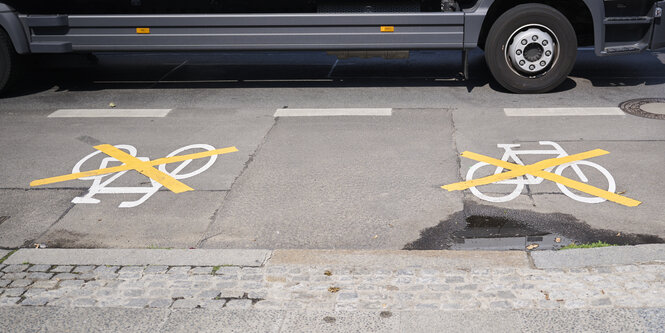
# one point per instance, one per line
(483, 227)
(652, 108)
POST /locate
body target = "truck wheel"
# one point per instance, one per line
(531, 48)
(8, 62)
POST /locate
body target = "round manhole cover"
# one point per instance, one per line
(652, 108)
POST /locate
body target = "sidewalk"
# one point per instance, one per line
(605, 289)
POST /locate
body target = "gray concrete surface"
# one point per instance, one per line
(3, 253)
(49, 319)
(360, 182)
(330, 182)
(82, 319)
(619, 255)
(168, 257)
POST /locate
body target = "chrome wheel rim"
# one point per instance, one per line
(532, 50)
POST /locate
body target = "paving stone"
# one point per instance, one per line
(454, 279)
(62, 269)
(34, 292)
(231, 271)
(133, 293)
(14, 276)
(160, 303)
(179, 270)
(155, 269)
(105, 270)
(39, 276)
(13, 292)
(427, 306)
(501, 305)
(4, 301)
(39, 268)
(71, 284)
(35, 301)
(20, 283)
(239, 304)
(159, 293)
(137, 302)
(84, 269)
(231, 293)
(15, 268)
(65, 276)
(4, 283)
(208, 293)
(201, 270)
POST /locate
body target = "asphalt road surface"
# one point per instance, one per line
(368, 179)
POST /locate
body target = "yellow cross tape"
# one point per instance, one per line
(145, 168)
(536, 169)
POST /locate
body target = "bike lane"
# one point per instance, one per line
(68, 214)
(635, 163)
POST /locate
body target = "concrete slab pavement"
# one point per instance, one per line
(31, 213)
(38, 319)
(165, 220)
(360, 182)
(634, 145)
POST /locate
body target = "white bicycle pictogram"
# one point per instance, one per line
(100, 185)
(521, 181)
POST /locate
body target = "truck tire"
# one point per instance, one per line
(8, 62)
(531, 48)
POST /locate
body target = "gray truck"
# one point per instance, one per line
(530, 45)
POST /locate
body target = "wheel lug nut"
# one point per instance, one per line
(542, 63)
(545, 43)
(522, 62)
(518, 52)
(548, 53)
(532, 67)
(524, 42)
(534, 38)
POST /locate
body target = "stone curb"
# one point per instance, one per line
(129, 257)
(619, 255)
(603, 256)
(446, 259)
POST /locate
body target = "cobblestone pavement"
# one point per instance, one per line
(331, 288)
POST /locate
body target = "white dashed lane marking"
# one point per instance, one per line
(110, 113)
(333, 112)
(556, 112)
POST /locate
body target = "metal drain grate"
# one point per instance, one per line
(652, 108)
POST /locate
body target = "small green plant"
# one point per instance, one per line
(586, 246)
(2, 259)
(215, 269)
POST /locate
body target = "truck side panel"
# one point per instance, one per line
(246, 32)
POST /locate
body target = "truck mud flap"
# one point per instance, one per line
(658, 39)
